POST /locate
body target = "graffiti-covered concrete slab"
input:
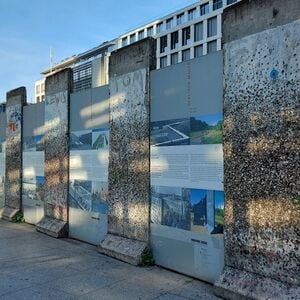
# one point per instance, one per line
(129, 162)
(261, 155)
(58, 88)
(15, 100)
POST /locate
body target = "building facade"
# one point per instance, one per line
(185, 34)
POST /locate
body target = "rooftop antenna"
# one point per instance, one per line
(51, 59)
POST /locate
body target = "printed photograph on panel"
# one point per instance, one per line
(39, 141)
(40, 181)
(219, 212)
(199, 210)
(207, 129)
(175, 206)
(80, 193)
(81, 140)
(29, 144)
(170, 133)
(100, 138)
(99, 194)
(2, 145)
(29, 190)
(156, 207)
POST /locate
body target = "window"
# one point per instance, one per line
(159, 27)
(186, 55)
(198, 51)
(169, 23)
(204, 9)
(163, 62)
(38, 89)
(141, 35)
(174, 58)
(38, 99)
(212, 47)
(230, 1)
(180, 19)
(174, 40)
(217, 4)
(43, 98)
(150, 31)
(132, 38)
(124, 41)
(43, 87)
(212, 27)
(192, 14)
(198, 32)
(186, 36)
(163, 44)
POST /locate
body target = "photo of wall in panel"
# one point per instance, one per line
(197, 210)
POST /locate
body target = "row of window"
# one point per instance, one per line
(186, 54)
(186, 35)
(40, 88)
(175, 21)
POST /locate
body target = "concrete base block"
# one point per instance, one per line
(235, 284)
(124, 249)
(7, 213)
(53, 227)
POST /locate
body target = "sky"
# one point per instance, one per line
(29, 28)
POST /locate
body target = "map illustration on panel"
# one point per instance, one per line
(170, 132)
(207, 129)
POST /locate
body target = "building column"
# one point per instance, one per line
(15, 101)
(129, 161)
(58, 89)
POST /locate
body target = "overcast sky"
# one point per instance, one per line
(28, 28)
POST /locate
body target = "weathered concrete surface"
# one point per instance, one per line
(253, 16)
(129, 161)
(122, 248)
(15, 100)
(261, 157)
(35, 266)
(58, 89)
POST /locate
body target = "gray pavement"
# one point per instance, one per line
(35, 266)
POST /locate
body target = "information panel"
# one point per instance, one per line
(89, 150)
(187, 198)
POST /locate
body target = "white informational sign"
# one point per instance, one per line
(189, 166)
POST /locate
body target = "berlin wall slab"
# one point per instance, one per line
(15, 100)
(58, 88)
(129, 162)
(261, 156)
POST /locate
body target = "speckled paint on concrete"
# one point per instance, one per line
(129, 164)
(261, 157)
(15, 100)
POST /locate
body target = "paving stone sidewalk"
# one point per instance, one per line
(35, 266)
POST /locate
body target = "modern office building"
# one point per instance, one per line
(185, 34)
(39, 90)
